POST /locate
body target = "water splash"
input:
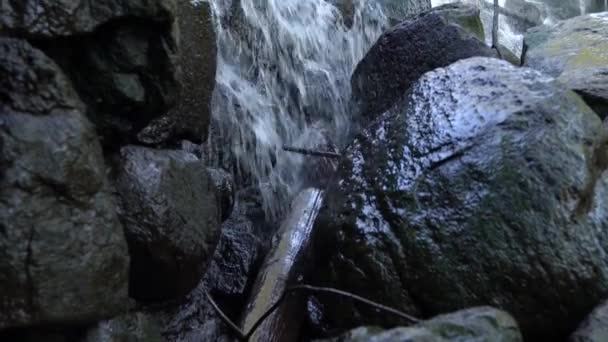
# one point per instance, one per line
(283, 78)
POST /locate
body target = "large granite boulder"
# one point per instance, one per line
(401, 55)
(52, 18)
(171, 219)
(575, 52)
(595, 326)
(483, 185)
(63, 255)
(120, 55)
(483, 324)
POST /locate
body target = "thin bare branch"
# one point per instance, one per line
(308, 288)
(226, 320)
(312, 152)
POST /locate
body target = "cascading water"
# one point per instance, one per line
(283, 78)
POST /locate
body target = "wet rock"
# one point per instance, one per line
(133, 65)
(51, 18)
(228, 279)
(225, 189)
(401, 55)
(197, 60)
(522, 15)
(559, 9)
(595, 326)
(131, 327)
(483, 185)
(63, 256)
(398, 10)
(171, 219)
(574, 51)
(482, 324)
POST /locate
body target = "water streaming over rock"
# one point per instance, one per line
(283, 78)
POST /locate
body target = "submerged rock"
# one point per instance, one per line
(595, 326)
(171, 219)
(63, 256)
(483, 185)
(401, 55)
(482, 324)
(574, 51)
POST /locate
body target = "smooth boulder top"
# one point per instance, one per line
(575, 51)
(484, 184)
(169, 208)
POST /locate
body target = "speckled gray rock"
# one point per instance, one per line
(483, 324)
(133, 327)
(63, 256)
(127, 47)
(401, 55)
(595, 326)
(575, 51)
(53, 18)
(171, 219)
(483, 185)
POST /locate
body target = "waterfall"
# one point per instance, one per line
(283, 78)
(583, 6)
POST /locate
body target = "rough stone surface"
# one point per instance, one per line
(228, 279)
(171, 219)
(225, 190)
(53, 18)
(482, 324)
(63, 256)
(595, 326)
(134, 327)
(483, 185)
(401, 55)
(197, 60)
(574, 51)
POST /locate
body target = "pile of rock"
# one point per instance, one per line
(473, 182)
(99, 204)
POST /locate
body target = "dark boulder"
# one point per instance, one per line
(574, 51)
(52, 18)
(483, 185)
(482, 324)
(197, 60)
(228, 279)
(171, 219)
(63, 255)
(401, 55)
(120, 55)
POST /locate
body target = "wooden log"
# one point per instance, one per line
(286, 262)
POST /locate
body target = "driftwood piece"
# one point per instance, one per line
(287, 260)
